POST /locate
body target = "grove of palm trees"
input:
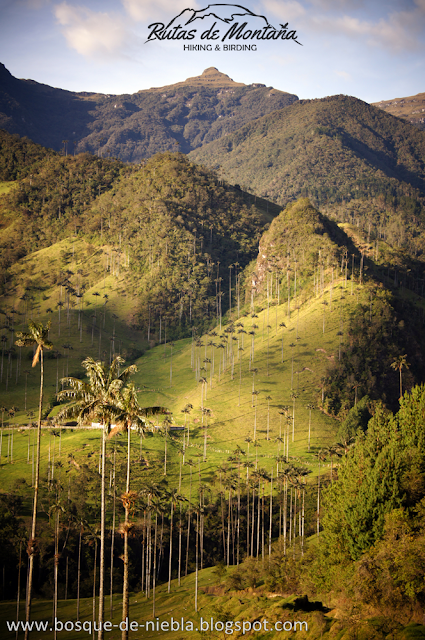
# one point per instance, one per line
(212, 406)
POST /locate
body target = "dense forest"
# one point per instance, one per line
(355, 162)
(180, 117)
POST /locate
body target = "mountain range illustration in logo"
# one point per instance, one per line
(234, 17)
(224, 12)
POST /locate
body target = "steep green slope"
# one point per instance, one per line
(18, 155)
(132, 127)
(179, 229)
(185, 231)
(48, 203)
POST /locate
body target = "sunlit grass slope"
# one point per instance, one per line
(286, 380)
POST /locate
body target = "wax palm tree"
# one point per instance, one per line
(256, 445)
(399, 363)
(130, 416)
(171, 344)
(99, 397)
(37, 335)
(166, 426)
(205, 412)
(191, 464)
(310, 408)
(186, 410)
(81, 524)
(292, 345)
(21, 539)
(3, 346)
(268, 398)
(282, 325)
(56, 509)
(294, 396)
(321, 456)
(254, 395)
(175, 497)
(356, 385)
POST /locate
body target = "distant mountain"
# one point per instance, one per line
(180, 117)
(354, 161)
(411, 109)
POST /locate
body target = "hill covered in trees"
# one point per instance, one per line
(179, 117)
(355, 162)
(182, 233)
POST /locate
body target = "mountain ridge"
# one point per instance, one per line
(134, 127)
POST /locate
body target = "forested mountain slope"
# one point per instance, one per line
(179, 117)
(182, 232)
(357, 163)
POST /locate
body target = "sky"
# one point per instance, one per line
(374, 50)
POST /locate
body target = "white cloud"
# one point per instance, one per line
(93, 34)
(157, 10)
(344, 75)
(334, 5)
(287, 11)
(400, 31)
(379, 25)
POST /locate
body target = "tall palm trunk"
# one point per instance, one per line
(55, 605)
(94, 583)
(102, 540)
(127, 505)
(263, 522)
(111, 591)
(18, 596)
(188, 520)
(258, 517)
(318, 503)
(295, 521)
(196, 560)
(180, 544)
(253, 520)
(154, 565)
(31, 542)
(247, 520)
(79, 571)
(271, 517)
(285, 513)
(170, 559)
(239, 516)
(229, 518)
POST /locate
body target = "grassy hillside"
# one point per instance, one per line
(169, 376)
(249, 607)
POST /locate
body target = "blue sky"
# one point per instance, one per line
(371, 50)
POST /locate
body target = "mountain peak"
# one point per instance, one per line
(213, 76)
(210, 77)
